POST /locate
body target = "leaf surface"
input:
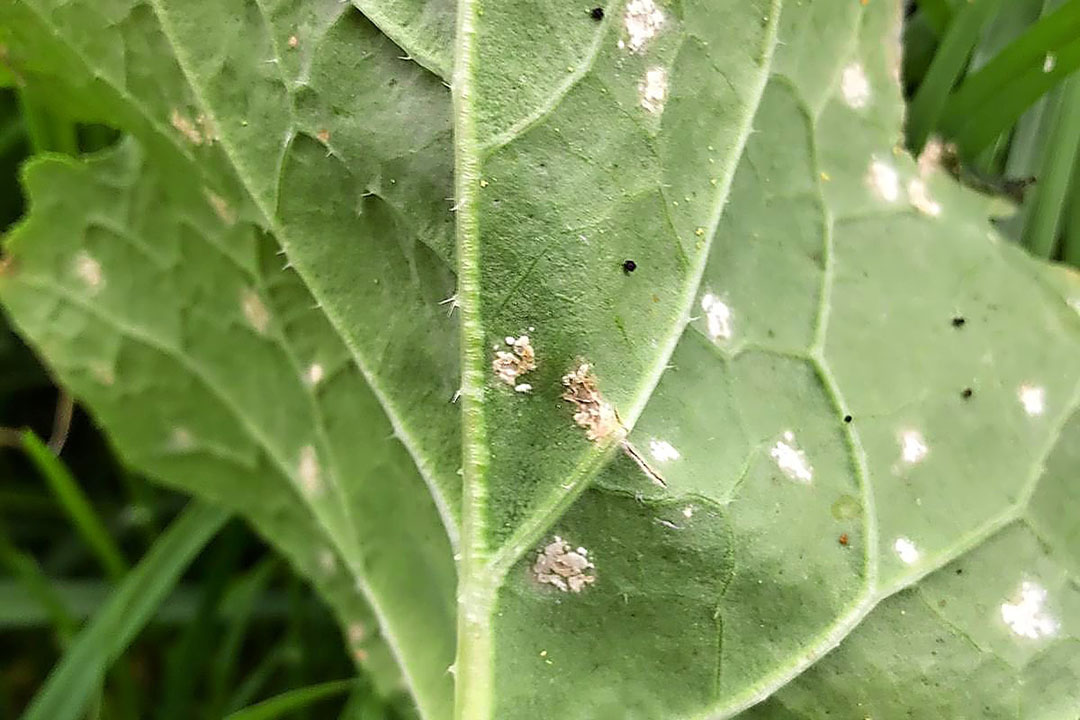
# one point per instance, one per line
(185, 336)
(792, 448)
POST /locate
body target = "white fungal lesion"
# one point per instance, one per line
(718, 317)
(89, 271)
(642, 20)
(198, 131)
(568, 569)
(1033, 398)
(884, 180)
(181, 440)
(314, 374)
(510, 365)
(913, 447)
(919, 195)
(255, 312)
(905, 550)
(221, 208)
(663, 451)
(855, 86)
(791, 460)
(327, 561)
(1025, 615)
(592, 412)
(309, 473)
(653, 90)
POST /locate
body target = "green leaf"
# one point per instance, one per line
(184, 334)
(785, 445)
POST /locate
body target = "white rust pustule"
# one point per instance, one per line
(643, 20)
(593, 413)
(255, 311)
(855, 86)
(560, 565)
(308, 472)
(509, 365)
(718, 317)
(884, 180)
(791, 460)
(653, 90)
(1026, 617)
(88, 269)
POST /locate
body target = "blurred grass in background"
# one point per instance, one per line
(119, 600)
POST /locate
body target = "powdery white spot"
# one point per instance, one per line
(663, 451)
(855, 86)
(913, 447)
(308, 472)
(187, 128)
(89, 271)
(885, 181)
(255, 311)
(653, 90)
(593, 413)
(181, 440)
(643, 20)
(1049, 62)
(717, 317)
(1026, 617)
(520, 359)
(565, 568)
(688, 512)
(932, 155)
(523, 388)
(357, 633)
(327, 561)
(906, 550)
(314, 374)
(791, 460)
(919, 195)
(221, 208)
(104, 374)
(1033, 399)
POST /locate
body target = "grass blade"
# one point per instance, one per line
(948, 64)
(25, 568)
(77, 506)
(73, 681)
(297, 699)
(1047, 208)
(991, 99)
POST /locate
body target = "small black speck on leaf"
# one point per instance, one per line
(958, 321)
(847, 418)
(597, 13)
(629, 266)
(959, 571)
(966, 393)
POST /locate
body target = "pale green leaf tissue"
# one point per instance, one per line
(834, 432)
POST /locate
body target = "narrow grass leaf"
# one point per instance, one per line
(75, 503)
(281, 705)
(949, 63)
(73, 681)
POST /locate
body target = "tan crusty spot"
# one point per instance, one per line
(511, 364)
(593, 413)
(565, 568)
(186, 128)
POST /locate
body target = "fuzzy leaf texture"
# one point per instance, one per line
(835, 468)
